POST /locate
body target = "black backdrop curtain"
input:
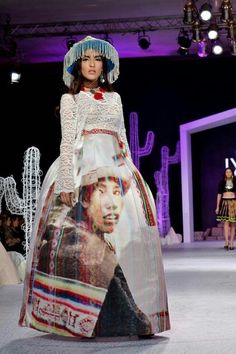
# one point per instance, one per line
(165, 92)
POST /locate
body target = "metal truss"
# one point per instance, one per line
(108, 26)
(122, 26)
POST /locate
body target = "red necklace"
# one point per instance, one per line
(97, 92)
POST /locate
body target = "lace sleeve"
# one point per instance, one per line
(123, 135)
(68, 133)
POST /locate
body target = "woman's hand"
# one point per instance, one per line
(217, 211)
(68, 198)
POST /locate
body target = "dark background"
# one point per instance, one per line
(164, 91)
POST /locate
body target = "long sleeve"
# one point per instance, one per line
(123, 135)
(68, 133)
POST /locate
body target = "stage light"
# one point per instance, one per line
(232, 30)
(184, 43)
(213, 31)
(205, 11)
(217, 48)
(70, 42)
(196, 29)
(15, 77)
(233, 47)
(217, 35)
(226, 11)
(144, 41)
(189, 13)
(202, 48)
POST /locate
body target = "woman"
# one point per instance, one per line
(226, 206)
(95, 265)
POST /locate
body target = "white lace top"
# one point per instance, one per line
(80, 112)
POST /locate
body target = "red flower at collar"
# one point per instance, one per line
(98, 95)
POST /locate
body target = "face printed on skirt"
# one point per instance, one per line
(104, 204)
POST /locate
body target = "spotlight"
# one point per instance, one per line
(183, 51)
(217, 48)
(70, 42)
(205, 28)
(232, 30)
(202, 49)
(226, 11)
(15, 77)
(197, 36)
(184, 43)
(205, 11)
(213, 31)
(189, 13)
(144, 41)
(233, 47)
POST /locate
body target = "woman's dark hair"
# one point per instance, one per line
(78, 80)
(221, 185)
(223, 179)
(226, 169)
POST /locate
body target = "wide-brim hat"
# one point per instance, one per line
(119, 175)
(78, 50)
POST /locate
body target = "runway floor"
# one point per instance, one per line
(201, 284)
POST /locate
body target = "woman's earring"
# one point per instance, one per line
(102, 79)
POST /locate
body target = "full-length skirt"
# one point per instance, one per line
(96, 269)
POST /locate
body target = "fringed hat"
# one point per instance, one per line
(78, 50)
(117, 174)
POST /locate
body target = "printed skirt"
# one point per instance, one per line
(227, 210)
(96, 269)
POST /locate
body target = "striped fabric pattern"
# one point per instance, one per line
(65, 306)
(149, 216)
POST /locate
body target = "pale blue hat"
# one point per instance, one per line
(78, 50)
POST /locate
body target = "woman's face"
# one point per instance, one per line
(105, 205)
(228, 173)
(91, 65)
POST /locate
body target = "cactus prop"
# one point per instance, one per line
(162, 183)
(27, 205)
(137, 151)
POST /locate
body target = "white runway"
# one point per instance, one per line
(201, 284)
